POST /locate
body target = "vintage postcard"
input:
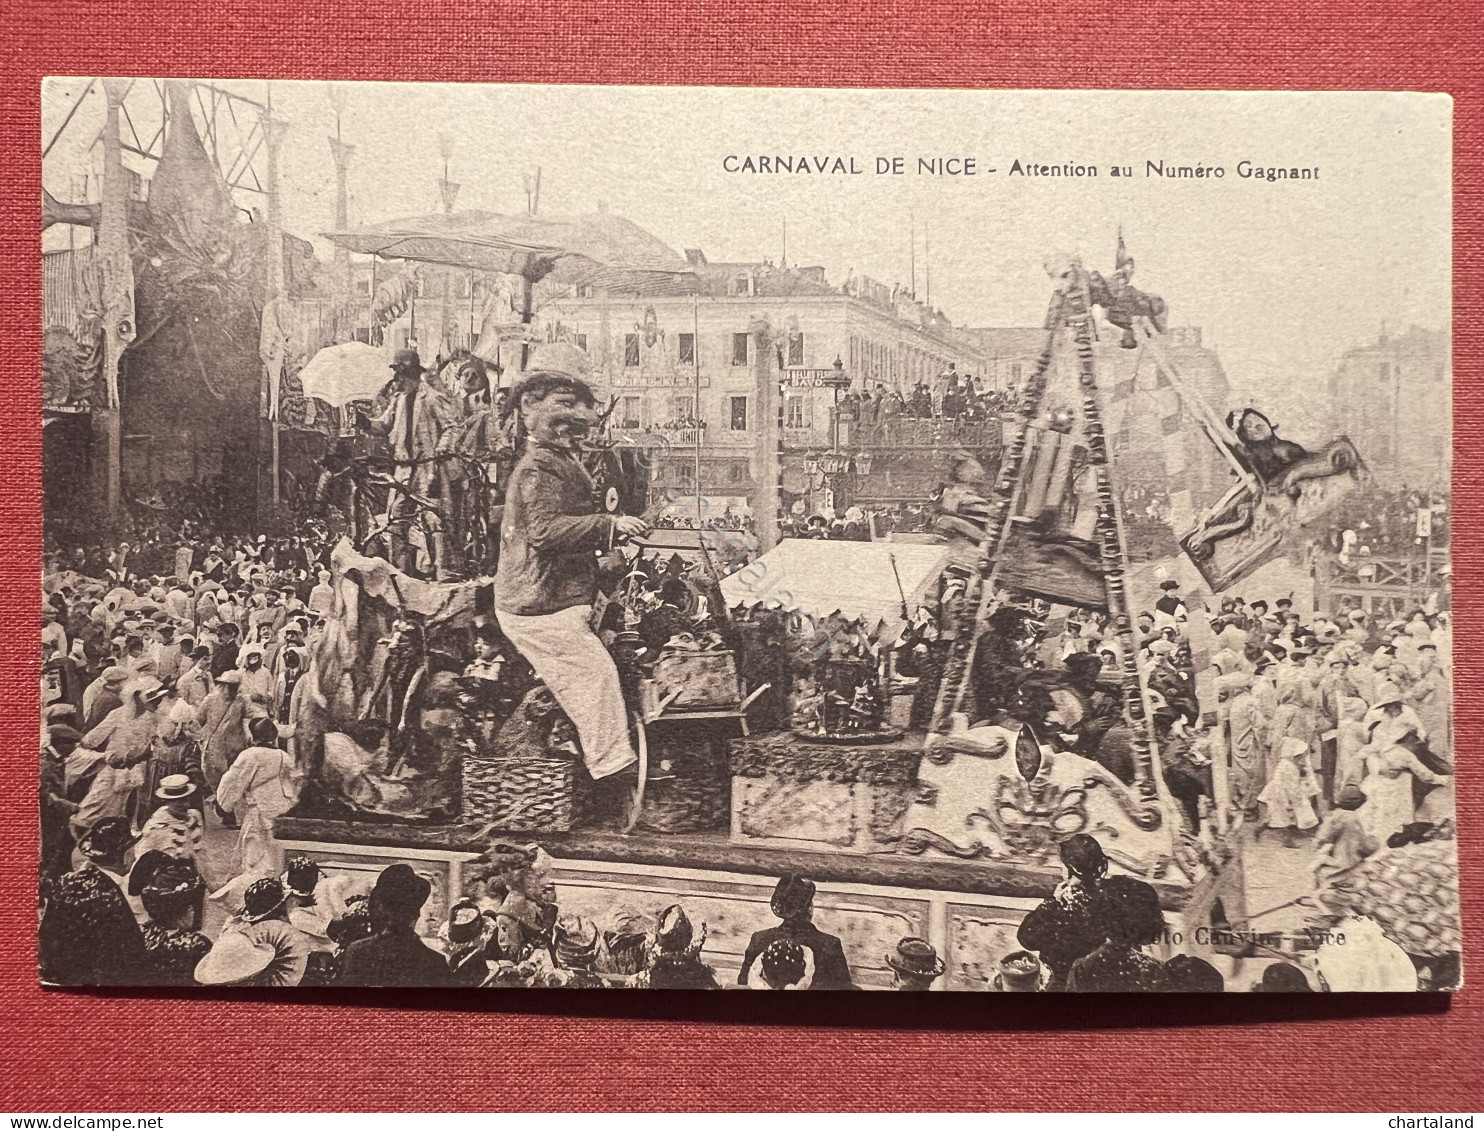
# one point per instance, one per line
(521, 536)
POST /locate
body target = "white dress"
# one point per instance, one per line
(262, 784)
(1389, 804)
(1289, 796)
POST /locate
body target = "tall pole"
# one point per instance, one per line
(341, 152)
(765, 462)
(927, 262)
(371, 303)
(912, 254)
(695, 356)
(274, 130)
(117, 271)
(448, 192)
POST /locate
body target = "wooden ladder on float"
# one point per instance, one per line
(1070, 309)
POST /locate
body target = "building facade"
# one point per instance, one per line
(1378, 389)
(686, 365)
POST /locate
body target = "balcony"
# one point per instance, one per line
(921, 433)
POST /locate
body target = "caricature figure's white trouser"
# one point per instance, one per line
(572, 662)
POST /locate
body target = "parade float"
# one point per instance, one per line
(784, 739)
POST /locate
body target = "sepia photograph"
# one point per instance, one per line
(536, 537)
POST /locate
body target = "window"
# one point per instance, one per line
(796, 349)
(739, 414)
(742, 285)
(736, 471)
(630, 413)
(581, 341)
(1015, 371)
(794, 416)
(363, 287)
(631, 351)
(684, 408)
(739, 349)
(687, 349)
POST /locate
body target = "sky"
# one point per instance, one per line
(1282, 277)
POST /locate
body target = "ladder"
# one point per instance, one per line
(1070, 312)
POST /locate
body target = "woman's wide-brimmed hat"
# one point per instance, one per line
(234, 958)
(467, 925)
(262, 899)
(300, 875)
(107, 838)
(916, 957)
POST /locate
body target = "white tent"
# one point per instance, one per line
(854, 578)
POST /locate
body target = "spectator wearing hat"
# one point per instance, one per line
(261, 931)
(783, 965)
(224, 655)
(578, 946)
(262, 784)
(1341, 841)
(176, 827)
(103, 695)
(1099, 704)
(172, 892)
(1431, 697)
(1397, 773)
(1391, 718)
(177, 749)
(465, 935)
(268, 621)
(416, 416)
(222, 721)
(89, 935)
(257, 680)
(125, 739)
(394, 955)
(291, 669)
(315, 898)
(915, 965)
(57, 808)
(168, 654)
(793, 903)
(1291, 791)
(676, 963)
(322, 596)
(1169, 610)
(194, 683)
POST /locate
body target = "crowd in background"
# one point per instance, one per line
(955, 396)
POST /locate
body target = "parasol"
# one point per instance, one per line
(351, 371)
(599, 249)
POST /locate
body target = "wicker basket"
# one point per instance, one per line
(692, 794)
(705, 680)
(521, 793)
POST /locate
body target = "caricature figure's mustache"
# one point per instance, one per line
(572, 421)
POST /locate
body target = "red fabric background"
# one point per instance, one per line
(425, 1051)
